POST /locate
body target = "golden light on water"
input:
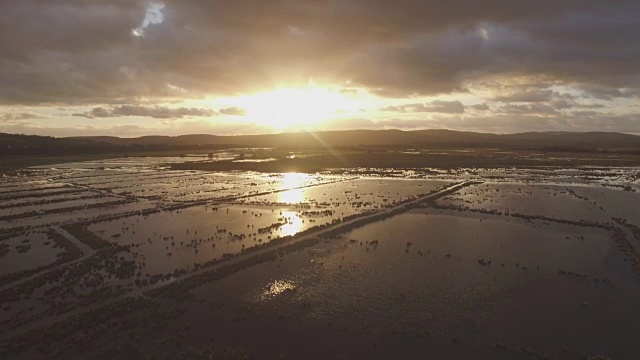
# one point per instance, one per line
(277, 287)
(293, 221)
(293, 224)
(295, 196)
(292, 181)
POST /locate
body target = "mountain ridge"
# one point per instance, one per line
(345, 138)
(434, 138)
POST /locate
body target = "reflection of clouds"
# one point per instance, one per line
(293, 223)
(289, 181)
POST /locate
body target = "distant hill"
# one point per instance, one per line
(580, 141)
(42, 145)
(552, 141)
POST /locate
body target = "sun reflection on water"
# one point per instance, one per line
(291, 197)
(291, 181)
(277, 287)
(293, 223)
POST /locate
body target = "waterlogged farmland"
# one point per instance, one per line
(129, 257)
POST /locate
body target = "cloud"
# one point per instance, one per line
(158, 112)
(480, 107)
(436, 106)
(153, 15)
(233, 111)
(528, 109)
(561, 104)
(592, 106)
(526, 96)
(20, 116)
(609, 93)
(394, 49)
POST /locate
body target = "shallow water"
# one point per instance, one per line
(437, 286)
(37, 250)
(576, 203)
(173, 240)
(417, 285)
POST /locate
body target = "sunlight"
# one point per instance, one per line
(291, 181)
(276, 288)
(295, 196)
(293, 223)
(296, 108)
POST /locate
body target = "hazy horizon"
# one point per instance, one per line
(276, 132)
(137, 68)
(295, 131)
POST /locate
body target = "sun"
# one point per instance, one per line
(296, 108)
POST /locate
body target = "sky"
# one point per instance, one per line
(133, 68)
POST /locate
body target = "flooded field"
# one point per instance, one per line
(131, 258)
(435, 282)
(576, 203)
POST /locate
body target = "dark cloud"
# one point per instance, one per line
(159, 112)
(561, 104)
(480, 107)
(592, 106)
(83, 52)
(610, 93)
